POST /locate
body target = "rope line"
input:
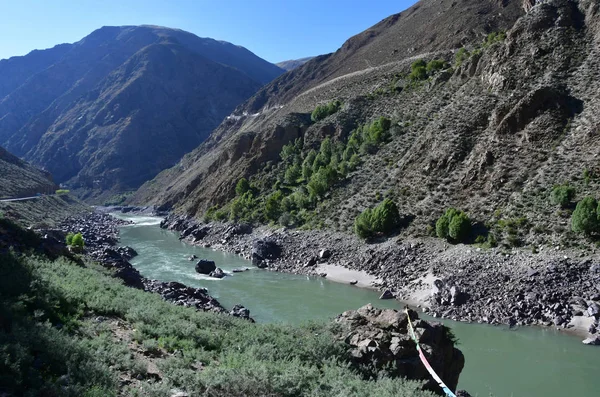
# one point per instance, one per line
(435, 376)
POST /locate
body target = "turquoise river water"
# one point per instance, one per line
(500, 362)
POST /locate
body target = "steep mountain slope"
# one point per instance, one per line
(491, 135)
(19, 179)
(277, 114)
(293, 63)
(115, 108)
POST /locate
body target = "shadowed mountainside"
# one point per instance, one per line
(112, 110)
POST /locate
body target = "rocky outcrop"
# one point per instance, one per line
(379, 341)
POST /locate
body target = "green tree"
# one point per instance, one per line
(383, 219)
(77, 240)
(459, 227)
(386, 217)
(307, 164)
(585, 216)
(69, 238)
(363, 224)
(454, 225)
(292, 173)
(273, 205)
(562, 195)
(326, 150)
(242, 187)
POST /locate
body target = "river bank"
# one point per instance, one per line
(556, 289)
(100, 232)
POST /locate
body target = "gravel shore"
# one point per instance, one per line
(554, 288)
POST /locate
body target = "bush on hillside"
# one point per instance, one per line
(562, 195)
(454, 225)
(585, 216)
(323, 111)
(435, 66)
(381, 220)
(242, 187)
(461, 56)
(75, 240)
(418, 70)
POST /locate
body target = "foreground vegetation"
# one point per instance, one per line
(58, 337)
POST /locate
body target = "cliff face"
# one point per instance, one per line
(112, 110)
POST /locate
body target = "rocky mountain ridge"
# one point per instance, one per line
(491, 133)
(109, 112)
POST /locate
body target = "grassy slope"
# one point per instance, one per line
(53, 342)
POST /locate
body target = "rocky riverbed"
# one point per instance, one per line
(101, 236)
(554, 288)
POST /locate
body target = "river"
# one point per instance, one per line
(500, 362)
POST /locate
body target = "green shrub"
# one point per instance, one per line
(383, 219)
(243, 208)
(494, 37)
(323, 111)
(461, 56)
(418, 70)
(293, 173)
(75, 240)
(585, 216)
(454, 225)
(435, 66)
(273, 206)
(242, 187)
(62, 191)
(562, 195)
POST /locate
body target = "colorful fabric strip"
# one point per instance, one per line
(441, 383)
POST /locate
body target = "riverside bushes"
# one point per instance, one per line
(57, 337)
(454, 225)
(381, 220)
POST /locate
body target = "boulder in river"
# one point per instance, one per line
(378, 341)
(205, 266)
(217, 273)
(387, 294)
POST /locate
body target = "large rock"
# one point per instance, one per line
(379, 341)
(264, 250)
(205, 266)
(217, 273)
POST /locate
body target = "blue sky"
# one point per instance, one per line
(276, 30)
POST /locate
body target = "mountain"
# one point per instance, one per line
(112, 110)
(20, 179)
(508, 112)
(293, 63)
